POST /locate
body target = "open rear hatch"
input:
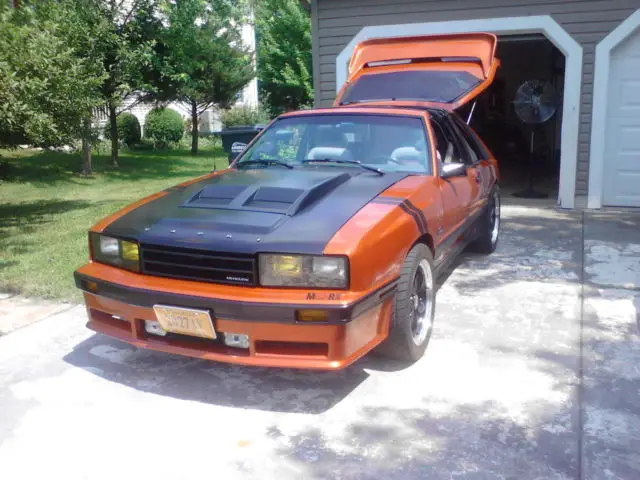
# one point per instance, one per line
(432, 70)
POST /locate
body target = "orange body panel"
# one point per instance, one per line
(477, 45)
(480, 46)
(324, 347)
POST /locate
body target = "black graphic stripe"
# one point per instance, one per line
(407, 207)
(235, 310)
(415, 216)
(419, 213)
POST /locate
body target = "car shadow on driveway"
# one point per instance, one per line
(267, 389)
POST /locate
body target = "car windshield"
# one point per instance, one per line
(388, 143)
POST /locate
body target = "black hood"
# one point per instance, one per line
(258, 210)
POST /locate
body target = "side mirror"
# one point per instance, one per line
(236, 149)
(453, 170)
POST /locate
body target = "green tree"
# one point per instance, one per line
(283, 30)
(121, 35)
(200, 57)
(79, 32)
(45, 88)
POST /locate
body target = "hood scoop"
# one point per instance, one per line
(291, 201)
(215, 195)
(265, 196)
(274, 198)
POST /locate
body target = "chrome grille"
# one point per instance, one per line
(199, 265)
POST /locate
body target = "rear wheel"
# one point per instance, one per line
(414, 308)
(489, 225)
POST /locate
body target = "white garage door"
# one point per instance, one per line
(622, 153)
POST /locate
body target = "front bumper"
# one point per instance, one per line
(276, 339)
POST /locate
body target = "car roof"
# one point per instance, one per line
(363, 109)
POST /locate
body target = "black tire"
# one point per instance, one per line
(402, 342)
(489, 232)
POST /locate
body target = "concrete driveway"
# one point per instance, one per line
(512, 385)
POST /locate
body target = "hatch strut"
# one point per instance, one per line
(473, 107)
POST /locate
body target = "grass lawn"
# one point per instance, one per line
(46, 209)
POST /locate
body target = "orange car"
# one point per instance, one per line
(324, 238)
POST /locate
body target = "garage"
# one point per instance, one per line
(621, 186)
(527, 142)
(569, 45)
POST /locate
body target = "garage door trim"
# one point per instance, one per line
(517, 25)
(599, 115)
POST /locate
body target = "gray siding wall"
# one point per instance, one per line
(336, 22)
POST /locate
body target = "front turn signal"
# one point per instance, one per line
(312, 316)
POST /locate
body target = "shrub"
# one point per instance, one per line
(144, 144)
(243, 115)
(128, 129)
(164, 126)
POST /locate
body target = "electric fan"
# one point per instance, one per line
(535, 103)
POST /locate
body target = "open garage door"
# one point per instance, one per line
(621, 186)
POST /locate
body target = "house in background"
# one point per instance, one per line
(588, 153)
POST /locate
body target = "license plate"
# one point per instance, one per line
(185, 321)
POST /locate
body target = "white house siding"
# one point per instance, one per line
(336, 22)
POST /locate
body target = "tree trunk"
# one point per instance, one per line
(113, 130)
(194, 128)
(87, 168)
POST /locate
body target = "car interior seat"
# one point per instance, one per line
(330, 144)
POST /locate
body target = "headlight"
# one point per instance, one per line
(303, 271)
(116, 252)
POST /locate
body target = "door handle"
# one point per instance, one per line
(478, 178)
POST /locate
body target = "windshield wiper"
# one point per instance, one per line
(347, 162)
(264, 161)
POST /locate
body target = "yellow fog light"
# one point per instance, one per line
(288, 265)
(130, 251)
(312, 316)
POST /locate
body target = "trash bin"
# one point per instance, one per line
(234, 139)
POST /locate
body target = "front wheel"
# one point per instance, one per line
(489, 225)
(414, 308)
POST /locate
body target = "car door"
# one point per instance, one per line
(474, 170)
(456, 192)
(485, 175)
